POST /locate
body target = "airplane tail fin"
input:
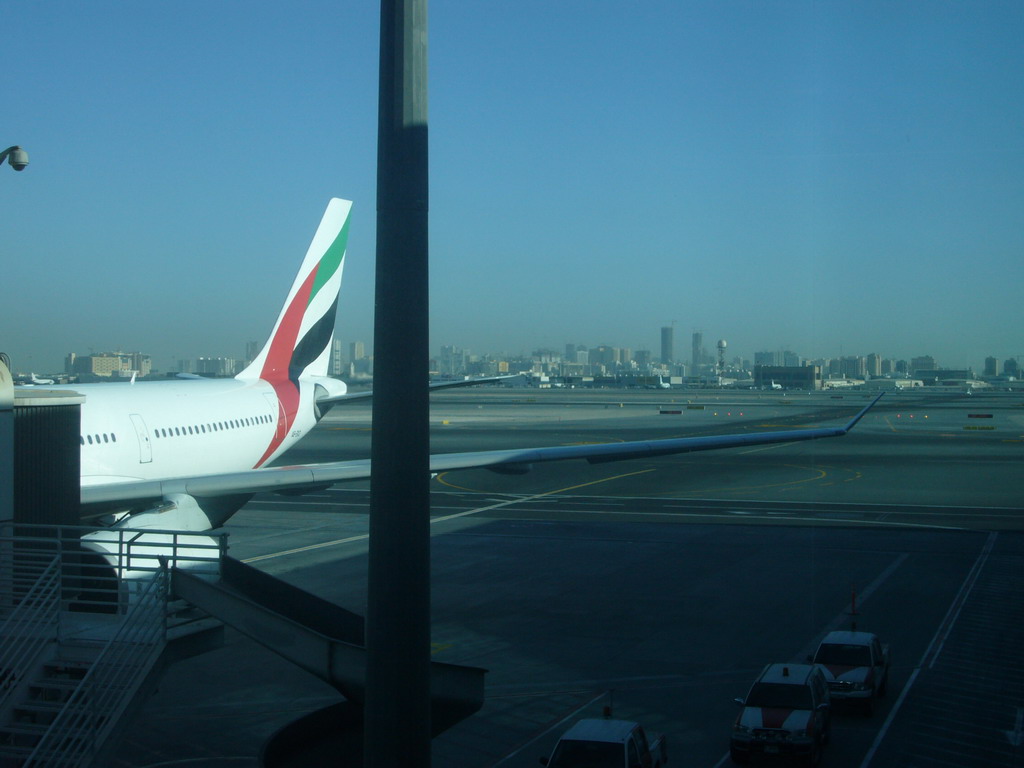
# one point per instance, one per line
(300, 344)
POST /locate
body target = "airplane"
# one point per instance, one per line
(31, 380)
(185, 455)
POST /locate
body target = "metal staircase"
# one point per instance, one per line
(75, 652)
(83, 642)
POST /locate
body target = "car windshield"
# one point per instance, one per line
(587, 754)
(844, 655)
(780, 696)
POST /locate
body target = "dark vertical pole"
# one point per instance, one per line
(397, 724)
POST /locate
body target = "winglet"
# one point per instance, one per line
(863, 410)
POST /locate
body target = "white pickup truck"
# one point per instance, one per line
(606, 743)
(856, 667)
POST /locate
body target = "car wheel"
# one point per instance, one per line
(885, 684)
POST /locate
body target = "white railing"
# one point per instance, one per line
(30, 626)
(98, 702)
(51, 579)
(101, 569)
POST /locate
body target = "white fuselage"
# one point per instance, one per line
(157, 430)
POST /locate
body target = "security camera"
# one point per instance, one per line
(18, 158)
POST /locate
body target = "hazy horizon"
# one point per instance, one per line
(833, 179)
(681, 355)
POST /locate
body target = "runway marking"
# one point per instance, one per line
(724, 515)
(991, 512)
(995, 513)
(559, 724)
(862, 597)
(535, 496)
(309, 548)
(940, 637)
(764, 448)
(821, 474)
(441, 479)
(864, 505)
(364, 536)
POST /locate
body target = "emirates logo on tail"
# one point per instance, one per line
(299, 345)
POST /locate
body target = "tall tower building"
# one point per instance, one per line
(336, 362)
(775, 359)
(452, 361)
(667, 345)
(853, 366)
(922, 363)
(874, 365)
(696, 349)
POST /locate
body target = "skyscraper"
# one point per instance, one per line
(697, 349)
(252, 348)
(336, 361)
(775, 359)
(922, 363)
(667, 345)
(874, 365)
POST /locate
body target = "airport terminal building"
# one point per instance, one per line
(788, 376)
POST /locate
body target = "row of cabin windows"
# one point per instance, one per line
(217, 426)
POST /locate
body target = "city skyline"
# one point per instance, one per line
(358, 349)
(740, 168)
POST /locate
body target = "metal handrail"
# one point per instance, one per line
(96, 704)
(128, 556)
(29, 629)
(46, 574)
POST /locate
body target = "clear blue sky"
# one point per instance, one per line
(827, 177)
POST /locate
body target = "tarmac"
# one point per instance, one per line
(661, 587)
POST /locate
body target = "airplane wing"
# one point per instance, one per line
(296, 479)
(348, 397)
